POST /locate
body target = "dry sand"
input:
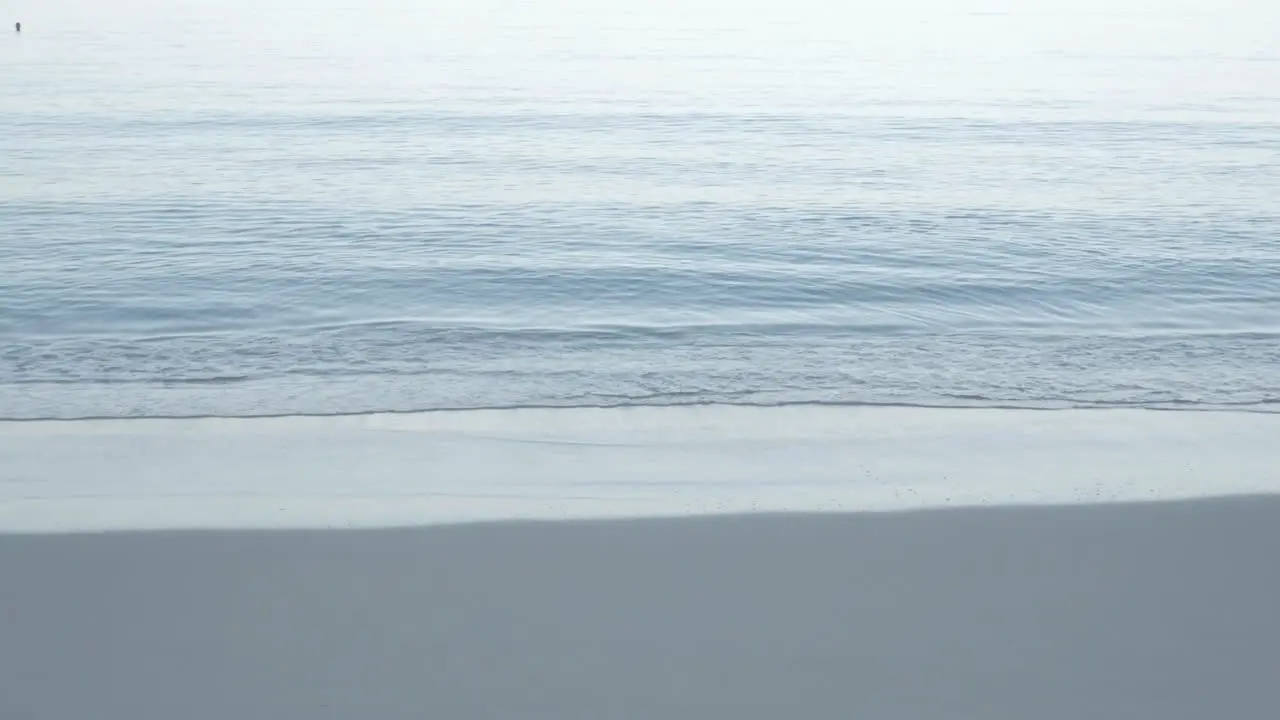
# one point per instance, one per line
(1162, 611)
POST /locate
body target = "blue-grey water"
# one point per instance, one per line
(274, 207)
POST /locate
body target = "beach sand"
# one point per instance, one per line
(1160, 610)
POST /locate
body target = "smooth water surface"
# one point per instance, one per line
(323, 206)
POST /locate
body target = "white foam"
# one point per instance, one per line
(560, 463)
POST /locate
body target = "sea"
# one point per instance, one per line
(324, 207)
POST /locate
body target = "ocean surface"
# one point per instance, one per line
(283, 207)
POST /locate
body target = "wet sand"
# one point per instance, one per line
(1162, 610)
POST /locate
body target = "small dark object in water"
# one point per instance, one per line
(17, 27)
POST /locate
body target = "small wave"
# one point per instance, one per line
(1268, 406)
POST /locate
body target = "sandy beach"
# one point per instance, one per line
(1161, 610)
(704, 563)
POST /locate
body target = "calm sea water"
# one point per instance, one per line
(273, 207)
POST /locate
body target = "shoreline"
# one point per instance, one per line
(422, 469)
(1247, 408)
